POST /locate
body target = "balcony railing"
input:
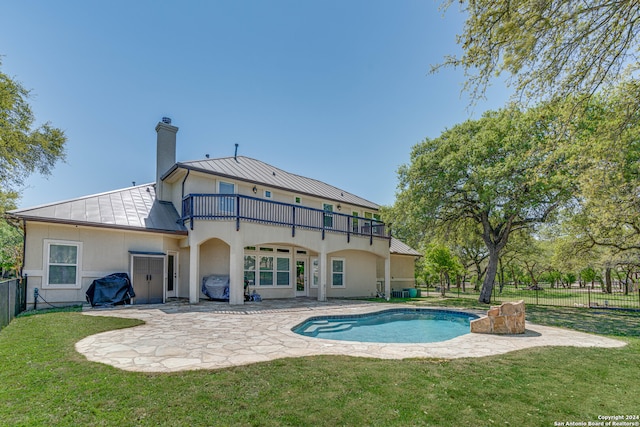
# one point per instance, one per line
(241, 208)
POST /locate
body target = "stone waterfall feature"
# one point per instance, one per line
(508, 318)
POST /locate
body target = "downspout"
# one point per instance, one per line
(182, 198)
(24, 244)
(184, 181)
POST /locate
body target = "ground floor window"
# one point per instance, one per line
(283, 273)
(266, 271)
(337, 272)
(267, 267)
(62, 263)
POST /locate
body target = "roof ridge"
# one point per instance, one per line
(290, 174)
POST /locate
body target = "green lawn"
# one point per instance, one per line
(45, 382)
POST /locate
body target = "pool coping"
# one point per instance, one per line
(213, 339)
(403, 310)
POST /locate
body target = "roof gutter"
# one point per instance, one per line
(98, 225)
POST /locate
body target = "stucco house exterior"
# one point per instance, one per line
(280, 234)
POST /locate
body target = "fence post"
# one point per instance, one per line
(537, 290)
(589, 297)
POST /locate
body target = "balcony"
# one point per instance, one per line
(239, 208)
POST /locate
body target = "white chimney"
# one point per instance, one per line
(165, 153)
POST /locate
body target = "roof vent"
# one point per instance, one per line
(166, 120)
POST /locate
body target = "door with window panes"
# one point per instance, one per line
(301, 277)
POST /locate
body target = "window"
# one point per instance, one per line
(266, 271)
(328, 215)
(267, 266)
(282, 274)
(337, 272)
(298, 200)
(62, 261)
(354, 221)
(267, 194)
(227, 204)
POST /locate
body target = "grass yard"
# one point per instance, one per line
(45, 382)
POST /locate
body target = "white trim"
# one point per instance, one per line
(78, 264)
(343, 272)
(314, 272)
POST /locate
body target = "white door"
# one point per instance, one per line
(302, 282)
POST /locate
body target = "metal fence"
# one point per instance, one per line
(13, 299)
(575, 296)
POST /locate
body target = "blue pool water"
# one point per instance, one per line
(389, 326)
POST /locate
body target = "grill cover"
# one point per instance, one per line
(114, 289)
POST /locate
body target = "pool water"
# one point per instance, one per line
(390, 326)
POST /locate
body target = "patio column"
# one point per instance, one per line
(322, 286)
(236, 274)
(194, 273)
(387, 277)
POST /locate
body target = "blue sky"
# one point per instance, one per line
(334, 90)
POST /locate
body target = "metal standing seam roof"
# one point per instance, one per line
(400, 248)
(255, 171)
(131, 208)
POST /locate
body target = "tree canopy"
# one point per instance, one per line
(24, 149)
(501, 172)
(549, 49)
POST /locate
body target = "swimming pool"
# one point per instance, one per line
(398, 325)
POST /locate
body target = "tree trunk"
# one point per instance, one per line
(513, 277)
(501, 275)
(489, 278)
(607, 276)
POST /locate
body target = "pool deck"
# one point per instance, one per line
(178, 336)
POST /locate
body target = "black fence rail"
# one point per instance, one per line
(13, 299)
(592, 297)
(251, 209)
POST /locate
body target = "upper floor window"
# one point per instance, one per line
(62, 263)
(267, 194)
(227, 205)
(328, 214)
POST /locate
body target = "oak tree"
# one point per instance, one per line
(503, 172)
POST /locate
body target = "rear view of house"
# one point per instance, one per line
(237, 219)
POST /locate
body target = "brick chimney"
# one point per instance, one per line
(165, 153)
